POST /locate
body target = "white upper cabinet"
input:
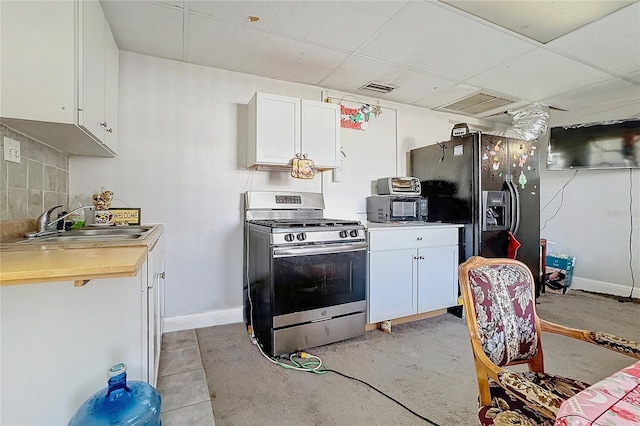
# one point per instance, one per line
(273, 130)
(320, 138)
(281, 127)
(60, 75)
(112, 63)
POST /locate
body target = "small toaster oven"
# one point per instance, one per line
(408, 186)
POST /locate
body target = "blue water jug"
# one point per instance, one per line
(133, 404)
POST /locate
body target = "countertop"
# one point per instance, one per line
(75, 261)
(416, 224)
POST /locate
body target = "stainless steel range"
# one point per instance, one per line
(305, 276)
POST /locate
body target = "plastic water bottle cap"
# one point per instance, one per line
(117, 369)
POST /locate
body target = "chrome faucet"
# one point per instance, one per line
(44, 221)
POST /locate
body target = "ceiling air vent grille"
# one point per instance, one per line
(377, 87)
(476, 104)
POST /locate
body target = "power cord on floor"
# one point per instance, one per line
(315, 365)
(384, 394)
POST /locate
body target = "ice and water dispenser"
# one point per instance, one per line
(495, 205)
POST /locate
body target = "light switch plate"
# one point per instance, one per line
(11, 150)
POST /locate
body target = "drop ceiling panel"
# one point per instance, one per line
(228, 46)
(175, 3)
(433, 39)
(153, 29)
(634, 76)
(340, 25)
(537, 75)
(610, 94)
(611, 44)
(539, 20)
(409, 86)
(433, 52)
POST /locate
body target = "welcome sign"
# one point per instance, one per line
(125, 216)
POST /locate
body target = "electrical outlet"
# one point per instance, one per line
(11, 150)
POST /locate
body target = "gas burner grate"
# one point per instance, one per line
(302, 223)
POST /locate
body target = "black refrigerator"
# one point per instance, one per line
(491, 184)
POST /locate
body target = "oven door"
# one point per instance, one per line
(308, 278)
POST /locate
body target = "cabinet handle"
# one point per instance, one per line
(104, 124)
(110, 130)
(419, 238)
(158, 276)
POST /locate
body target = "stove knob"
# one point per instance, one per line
(301, 236)
(354, 233)
(343, 234)
(288, 238)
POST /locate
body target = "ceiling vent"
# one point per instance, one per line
(377, 87)
(476, 104)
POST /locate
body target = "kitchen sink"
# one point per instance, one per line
(107, 233)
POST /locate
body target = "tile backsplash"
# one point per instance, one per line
(38, 182)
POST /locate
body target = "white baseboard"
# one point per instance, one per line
(586, 284)
(235, 314)
(203, 319)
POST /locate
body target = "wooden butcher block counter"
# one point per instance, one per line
(78, 261)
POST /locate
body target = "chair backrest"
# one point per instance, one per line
(499, 296)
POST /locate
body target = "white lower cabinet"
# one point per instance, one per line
(412, 270)
(155, 300)
(58, 340)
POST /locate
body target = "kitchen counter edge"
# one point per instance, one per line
(54, 262)
(415, 225)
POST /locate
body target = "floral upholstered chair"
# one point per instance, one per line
(498, 297)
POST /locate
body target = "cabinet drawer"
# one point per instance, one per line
(395, 239)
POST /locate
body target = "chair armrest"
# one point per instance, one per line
(535, 397)
(616, 343)
(605, 340)
(491, 369)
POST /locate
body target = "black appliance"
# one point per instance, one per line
(305, 280)
(491, 184)
(603, 145)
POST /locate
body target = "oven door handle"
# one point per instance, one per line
(320, 249)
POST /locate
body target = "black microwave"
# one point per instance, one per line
(395, 208)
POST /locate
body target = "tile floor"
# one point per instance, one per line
(182, 382)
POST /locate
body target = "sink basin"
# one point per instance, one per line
(110, 233)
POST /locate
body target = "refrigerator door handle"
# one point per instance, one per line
(515, 205)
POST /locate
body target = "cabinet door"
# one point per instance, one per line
(38, 72)
(320, 138)
(92, 68)
(112, 61)
(392, 289)
(277, 128)
(155, 286)
(437, 278)
(82, 331)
